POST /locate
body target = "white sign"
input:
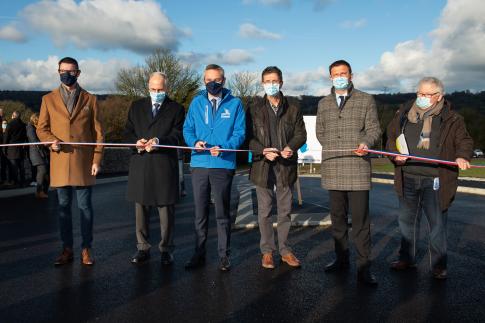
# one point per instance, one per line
(311, 151)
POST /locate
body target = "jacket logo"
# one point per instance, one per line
(226, 114)
(86, 108)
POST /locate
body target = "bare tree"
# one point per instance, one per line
(183, 81)
(244, 85)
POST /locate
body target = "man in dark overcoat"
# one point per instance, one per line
(153, 172)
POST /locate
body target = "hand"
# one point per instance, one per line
(95, 169)
(400, 160)
(149, 145)
(463, 164)
(270, 153)
(140, 145)
(287, 152)
(361, 150)
(55, 146)
(200, 145)
(215, 151)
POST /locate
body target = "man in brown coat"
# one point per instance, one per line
(347, 120)
(430, 128)
(70, 114)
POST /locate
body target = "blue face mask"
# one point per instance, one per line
(423, 102)
(214, 87)
(340, 83)
(157, 97)
(271, 89)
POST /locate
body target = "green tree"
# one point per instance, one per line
(183, 82)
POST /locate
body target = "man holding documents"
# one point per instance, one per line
(427, 127)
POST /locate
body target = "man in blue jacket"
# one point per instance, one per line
(215, 120)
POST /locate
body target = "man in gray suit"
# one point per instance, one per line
(347, 119)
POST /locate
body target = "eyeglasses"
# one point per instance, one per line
(271, 82)
(427, 95)
(71, 72)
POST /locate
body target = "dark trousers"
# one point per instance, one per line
(218, 181)
(83, 195)
(359, 206)
(41, 178)
(284, 198)
(418, 196)
(17, 170)
(167, 220)
(4, 167)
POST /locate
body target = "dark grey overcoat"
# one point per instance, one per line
(153, 176)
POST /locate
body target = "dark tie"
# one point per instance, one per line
(155, 108)
(214, 106)
(342, 101)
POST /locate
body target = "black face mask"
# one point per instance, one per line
(68, 79)
(214, 88)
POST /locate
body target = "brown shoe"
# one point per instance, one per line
(87, 258)
(267, 261)
(400, 265)
(291, 260)
(41, 195)
(65, 257)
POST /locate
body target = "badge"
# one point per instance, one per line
(226, 114)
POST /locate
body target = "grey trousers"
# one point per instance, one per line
(167, 219)
(284, 199)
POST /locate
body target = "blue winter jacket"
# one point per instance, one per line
(226, 129)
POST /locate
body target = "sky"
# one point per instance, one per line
(390, 44)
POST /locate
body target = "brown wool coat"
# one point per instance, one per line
(357, 123)
(72, 165)
(455, 142)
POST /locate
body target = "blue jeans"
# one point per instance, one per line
(83, 194)
(420, 197)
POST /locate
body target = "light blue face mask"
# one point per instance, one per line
(157, 97)
(271, 89)
(340, 83)
(423, 102)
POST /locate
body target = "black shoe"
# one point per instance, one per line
(337, 265)
(224, 265)
(366, 277)
(440, 274)
(166, 259)
(195, 262)
(140, 257)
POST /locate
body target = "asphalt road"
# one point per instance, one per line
(33, 290)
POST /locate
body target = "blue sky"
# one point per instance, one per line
(390, 44)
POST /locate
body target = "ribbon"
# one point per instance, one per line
(127, 145)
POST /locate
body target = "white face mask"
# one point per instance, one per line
(4, 126)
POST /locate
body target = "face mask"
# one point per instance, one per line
(214, 88)
(271, 89)
(423, 102)
(157, 97)
(340, 83)
(68, 79)
(4, 126)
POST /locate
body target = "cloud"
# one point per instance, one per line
(311, 82)
(230, 57)
(455, 54)
(138, 26)
(248, 30)
(354, 24)
(96, 76)
(11, 33)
